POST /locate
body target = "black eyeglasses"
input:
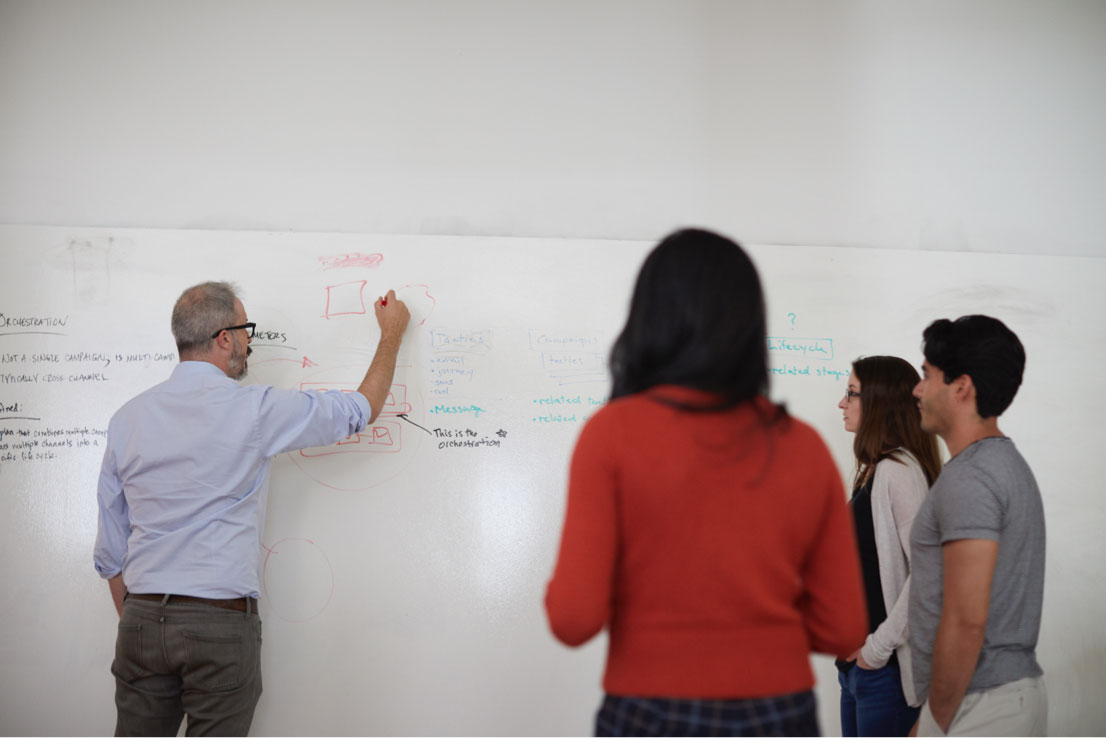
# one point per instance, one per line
(849, 394)
(248, 326)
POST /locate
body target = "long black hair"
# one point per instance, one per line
(696, 319)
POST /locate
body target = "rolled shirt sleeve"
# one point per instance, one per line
(291, 419)
(114, 527)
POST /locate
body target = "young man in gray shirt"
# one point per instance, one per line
(978, 544)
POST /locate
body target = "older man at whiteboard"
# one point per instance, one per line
(182, 497)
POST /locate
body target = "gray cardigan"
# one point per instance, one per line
(898, 489)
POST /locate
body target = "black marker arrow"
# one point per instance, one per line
(404, 416)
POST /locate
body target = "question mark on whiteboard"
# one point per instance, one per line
(792, 316)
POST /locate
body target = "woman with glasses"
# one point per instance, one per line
(706, 529)
(896, 461)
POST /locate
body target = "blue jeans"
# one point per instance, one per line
(872, 702)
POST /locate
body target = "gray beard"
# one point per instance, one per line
(237, 367)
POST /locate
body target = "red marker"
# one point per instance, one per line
(383, 301)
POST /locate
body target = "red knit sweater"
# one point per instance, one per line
(718, 551)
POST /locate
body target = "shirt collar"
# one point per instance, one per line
(199, 370)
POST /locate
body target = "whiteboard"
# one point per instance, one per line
(404, 569)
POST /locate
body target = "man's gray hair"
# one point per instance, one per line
(201, 311)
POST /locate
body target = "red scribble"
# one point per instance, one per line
(345, 299)
(307, 362)
(426, 291)
(345, 261)
(264, 573)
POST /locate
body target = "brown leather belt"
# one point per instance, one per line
(241, 604)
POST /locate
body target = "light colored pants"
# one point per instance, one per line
(1018, 708)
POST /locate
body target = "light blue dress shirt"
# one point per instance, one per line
(185, 477)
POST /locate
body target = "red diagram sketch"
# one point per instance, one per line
(383, 436)
(348, 298)
(379, 452)
(297, 579)
(345, 299)
(419, 301)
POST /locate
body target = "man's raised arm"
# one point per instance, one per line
(392, 315)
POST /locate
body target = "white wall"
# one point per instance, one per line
(945, 125)
(936, 125)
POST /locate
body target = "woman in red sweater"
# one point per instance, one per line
(705, 527)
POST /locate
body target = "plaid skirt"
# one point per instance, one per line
(789, 714)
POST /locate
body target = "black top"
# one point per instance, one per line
(861, 505)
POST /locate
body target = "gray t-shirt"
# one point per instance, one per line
(986, 492)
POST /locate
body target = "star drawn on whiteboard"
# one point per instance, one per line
(501, 433)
